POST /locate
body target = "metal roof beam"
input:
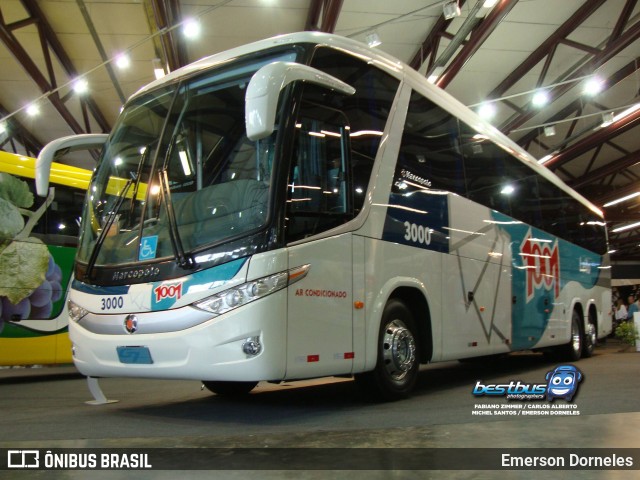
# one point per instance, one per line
(546, 47)
(34, 10)
(590, 66)
(478, 37)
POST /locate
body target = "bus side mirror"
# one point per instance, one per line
(264, 89)
(71, 143)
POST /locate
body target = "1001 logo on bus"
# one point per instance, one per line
(542, 265)
(168, 291)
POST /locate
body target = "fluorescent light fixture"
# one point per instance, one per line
(451, 10)
(373, 39)
(191, 28)
(158, 69)
(621, 199)
(626, 227)
(184, 160)
(626, 112)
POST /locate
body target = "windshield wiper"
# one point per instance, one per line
(184, 261)
(113, 214)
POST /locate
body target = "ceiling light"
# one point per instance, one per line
(80, 86)
(540, 98)
(3, 128)
(487, 111)
(507, 190)
(191, 28)
(593, 86)
(451, 10)
(33, 110)
(373, 39)
(123, 61)
(622, 199)
(549, 131)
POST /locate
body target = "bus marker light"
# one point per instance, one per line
(358, 305)
(349, 355)
(313, 358)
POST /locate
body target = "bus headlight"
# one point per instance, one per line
(76, 312)
(248, 292)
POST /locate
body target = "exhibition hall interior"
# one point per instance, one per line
(369, 237)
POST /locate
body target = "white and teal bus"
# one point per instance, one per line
(305, 206)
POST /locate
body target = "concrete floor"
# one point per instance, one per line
(44, 409)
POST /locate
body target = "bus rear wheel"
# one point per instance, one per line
(398, 360)
(572, 351)
(590, 337)
(229, 388)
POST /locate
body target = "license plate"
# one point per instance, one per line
(135, 355)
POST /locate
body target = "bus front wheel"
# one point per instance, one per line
(229, 388)
(398, 360)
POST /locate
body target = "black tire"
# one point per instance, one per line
(398, 361)
(572, 351)
(590, 338)
(229, 388)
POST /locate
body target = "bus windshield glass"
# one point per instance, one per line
(178, 173)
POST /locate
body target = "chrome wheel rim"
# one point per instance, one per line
(398, 350)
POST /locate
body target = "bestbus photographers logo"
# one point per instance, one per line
(562, 383)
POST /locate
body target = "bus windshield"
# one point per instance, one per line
(178, 173)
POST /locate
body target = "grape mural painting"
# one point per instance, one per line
(33, 284)
(35, 278)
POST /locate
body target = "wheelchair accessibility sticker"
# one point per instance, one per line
(148, 247)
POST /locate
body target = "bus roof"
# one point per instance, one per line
(395, 68)
(23, 166)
